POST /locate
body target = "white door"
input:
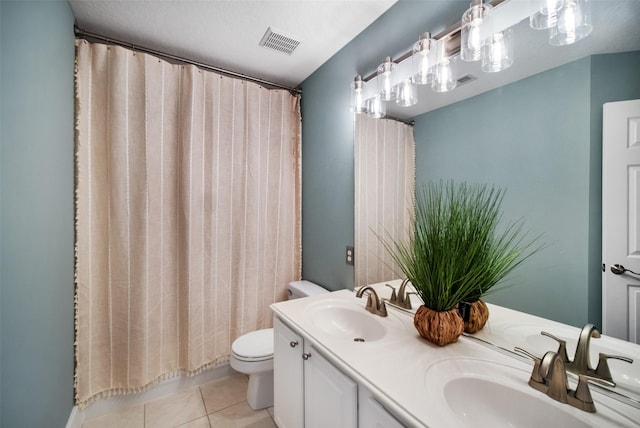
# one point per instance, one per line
(621, 220)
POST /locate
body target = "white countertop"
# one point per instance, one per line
(406, 373)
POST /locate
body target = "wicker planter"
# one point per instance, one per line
(477, 314)
(440, 328)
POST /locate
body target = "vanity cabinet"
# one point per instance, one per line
(372, 414)
(309, 391)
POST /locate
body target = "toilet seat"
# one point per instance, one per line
(254, 346)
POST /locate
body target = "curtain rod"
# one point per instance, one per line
(80, 33)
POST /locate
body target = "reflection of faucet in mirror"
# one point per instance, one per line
(581, 364)
(403, 297)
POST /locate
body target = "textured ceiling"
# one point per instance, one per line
(226, 34)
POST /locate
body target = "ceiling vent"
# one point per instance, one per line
(467, 78)
(279, 41)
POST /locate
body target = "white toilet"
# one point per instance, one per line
(252, 353)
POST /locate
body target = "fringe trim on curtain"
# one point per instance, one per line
(163, 377)
(76, 178)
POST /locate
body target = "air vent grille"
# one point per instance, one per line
(277, 40)
(468, 78)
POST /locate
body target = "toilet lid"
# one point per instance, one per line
(257, 344)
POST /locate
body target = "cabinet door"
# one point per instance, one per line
(371, 414)
(330, 397)
(288, 398)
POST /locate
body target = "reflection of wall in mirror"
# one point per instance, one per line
(541, 139)
(384, 170)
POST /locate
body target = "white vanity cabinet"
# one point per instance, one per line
(309, 391)
(288, 376)
(371, 414)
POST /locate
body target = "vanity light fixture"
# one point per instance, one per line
(423, 73)
(470, 38)
(497, 51)
(407, 93)
(376, 108)
(357, 102)
(444, 77)
(386, 85)
(485, 33)
(573, 23)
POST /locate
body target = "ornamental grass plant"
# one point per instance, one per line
(458, 250)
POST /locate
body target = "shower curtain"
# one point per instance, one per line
(384, 194)
(187, 216)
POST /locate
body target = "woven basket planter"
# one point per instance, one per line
(440, 328)
(477, 318)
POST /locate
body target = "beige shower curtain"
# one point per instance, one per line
(384, 194)
(188, 216)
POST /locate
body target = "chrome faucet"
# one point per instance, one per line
(402, 298)
(374, 305)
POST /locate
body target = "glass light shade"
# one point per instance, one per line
(422, 72)
(386, 85)
(546, 17)
(550, 7)
(470, 42)
(574, 23)
(376, 108)
(497, 52)
(357, 103)
(407, 93)
(444, 75)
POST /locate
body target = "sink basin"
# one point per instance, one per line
(487, 393)
(344, 321)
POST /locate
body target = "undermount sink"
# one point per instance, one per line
(487, 393)
(345, 321)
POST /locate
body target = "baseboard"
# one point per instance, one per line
(122, 402)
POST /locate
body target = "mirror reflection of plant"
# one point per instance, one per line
(457, 251)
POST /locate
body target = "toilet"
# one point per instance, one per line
(252, 353)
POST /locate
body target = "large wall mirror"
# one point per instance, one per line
(534, 129)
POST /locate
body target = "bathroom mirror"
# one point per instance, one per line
(535, 129)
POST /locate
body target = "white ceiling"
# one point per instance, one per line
(226, 33)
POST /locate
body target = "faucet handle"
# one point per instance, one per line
(562, 346)
(602, 372)
(394, 297)
(536, 377)
(582, 394)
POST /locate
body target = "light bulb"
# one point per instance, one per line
(473, 42)
(573, 23)
(569, 17)
(497, 53)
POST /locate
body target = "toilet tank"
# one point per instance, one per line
(299, 289)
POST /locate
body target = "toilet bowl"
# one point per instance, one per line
(252, 353)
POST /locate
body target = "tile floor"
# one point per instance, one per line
(221, 403)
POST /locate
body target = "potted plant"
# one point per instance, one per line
(456, 252)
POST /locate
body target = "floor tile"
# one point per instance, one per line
(241, 416)
(130, 418)
(270, 410)
(174, 410)
(202, 422)
(225, 392)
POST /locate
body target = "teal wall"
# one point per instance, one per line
(541, 139)
(327, 134)
(36, 214)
